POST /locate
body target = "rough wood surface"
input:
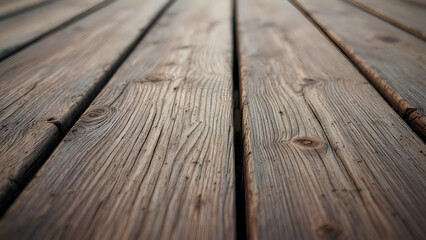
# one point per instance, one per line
(405, 15)
(326, 157)
(9, 8)
(419, 3)
(25, 28)
(393, 60)
(45, 87)
(153, 156)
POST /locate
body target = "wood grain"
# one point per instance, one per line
(9, 8)
(152, 157)
(418, 3)
(393, 60)
(410, 17)
(22, 29)
(325, 155)
(45, 87)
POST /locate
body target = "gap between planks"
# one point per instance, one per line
(12, 11)
(410, 110)
(240, 194)
(25, 39)
(418, 16)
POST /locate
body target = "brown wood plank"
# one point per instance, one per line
(419, 3)
(153, 156)
(20, 30)
(408, 16)
(44, 88)
(393, 60)
(9, 8)
(326, 157)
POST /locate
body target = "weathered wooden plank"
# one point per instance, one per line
(152, 157)
(408, 16)
(19, 31)
(9, 8)
(393, 60)
(326, 157)
(419, 3)
(44, 88)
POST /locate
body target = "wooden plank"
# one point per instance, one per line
(326, 157)
(153, 156)
(410, 17)
(19, 31)
(45, 87)
(419, 3)
(9, 8)
(393, 60)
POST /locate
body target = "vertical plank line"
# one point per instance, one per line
(238, 141)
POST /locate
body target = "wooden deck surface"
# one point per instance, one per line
(212, 119)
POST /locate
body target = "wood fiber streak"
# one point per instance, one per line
(24, 28)
(152, 157)
(410, 17)
(393, 60)
(325, 155)
(8, 7)
(44, 88)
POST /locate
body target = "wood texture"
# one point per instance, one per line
(9, 8)
(326, 157)
(45, 87)
(393, 60)
(18, 31)
(153, 156)
(408, 16)
(419, 3)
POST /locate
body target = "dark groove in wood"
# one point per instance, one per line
(25, 9)
(18, 186)
(407, 116)
(387, 19)
(414, 3)
(74, 19)
(240, 196)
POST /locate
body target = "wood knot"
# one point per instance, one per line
(97, 114)
(308, 142)
(388, 39)
(76, 130)
(307, 82)
(153, 79)
(331, 231)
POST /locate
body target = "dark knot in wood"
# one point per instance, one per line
(76, 130)
(388, 39)
(309, 82)
(331, 231)
(153, 79)
(97, 114)
(308, 142)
